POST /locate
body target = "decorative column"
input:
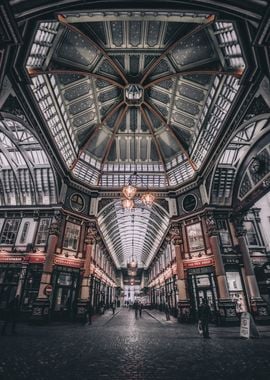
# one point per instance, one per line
(90, 240)
(184, 302)
(257, 305)
(41, 306)
(226, 312)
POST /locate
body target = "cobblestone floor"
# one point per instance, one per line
(120, 347)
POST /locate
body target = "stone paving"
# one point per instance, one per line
(120, 347)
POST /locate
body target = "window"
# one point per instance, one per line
(72, 235)
(195, 237)
(77, 202)
(24, 232)
(10, 231)
(252, 236)
(43, 231)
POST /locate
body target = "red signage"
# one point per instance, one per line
(48, 290)
(74, 263)
(35, 259)
(198, 263)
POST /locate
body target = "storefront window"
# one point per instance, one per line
(195, 238)
(10, 231)
(72, 235)
(236, 291)
(43, 231)
(252, 236)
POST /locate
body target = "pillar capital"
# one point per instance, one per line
(56, 224)
(91, 234)
(238, 221)
(175, 234)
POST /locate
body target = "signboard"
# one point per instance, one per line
(48, 290)
(74, 263)
(11, 259)
(198, 263)
(247, 327)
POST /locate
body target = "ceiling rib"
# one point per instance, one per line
(197, 29)
(34, 73)
(64, 22)
(157, 113)
(236, 73)
(98, 126)
(108, 147)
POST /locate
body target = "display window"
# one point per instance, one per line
(195, 239)
(236, 291)
(10, 231)
(43, 231)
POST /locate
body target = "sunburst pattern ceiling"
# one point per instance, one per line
(133, 91)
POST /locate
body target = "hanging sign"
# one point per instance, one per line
(48, 290)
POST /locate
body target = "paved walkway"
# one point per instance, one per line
(121, 347)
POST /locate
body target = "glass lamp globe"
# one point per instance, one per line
(128, 203)
(129, 191)
(148, 199)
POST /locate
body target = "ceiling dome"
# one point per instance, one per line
(135, 91)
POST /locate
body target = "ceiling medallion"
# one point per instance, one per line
(134, 95)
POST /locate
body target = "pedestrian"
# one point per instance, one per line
(113, 306)
(204, 316)
(140, 309)
(136, 308)
(167, 311)
(12, 315)
(89, 312)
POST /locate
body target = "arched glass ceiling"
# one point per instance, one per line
(135, 91)
(136, 233)
(223, 178)
(26, 177)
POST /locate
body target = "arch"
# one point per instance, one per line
(234, 157)
(138, 233)
(26, 174)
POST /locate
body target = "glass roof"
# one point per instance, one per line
(26, 176)
(137, 91)
(137, 233)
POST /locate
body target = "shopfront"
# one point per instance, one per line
(31, 286)
(9, 278)
(201, 282)
(65, 283)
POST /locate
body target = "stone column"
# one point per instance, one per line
(257, 305)
(184, 302)
(90, 240)
(42, 304)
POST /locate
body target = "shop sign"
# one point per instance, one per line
(11, 259)
(48, 290)
(35, 259)
(198, 263)
(67, 262)
(231, 260)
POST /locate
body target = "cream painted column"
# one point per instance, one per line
(253, 289)
(176, 239)
(90, 244)
(51, 250)
(215, 247)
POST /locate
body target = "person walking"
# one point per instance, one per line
(12, 315)
(89, 312)
(113, 307)
(204, 316)
(140, 309)
(167, 311)
(136, 308)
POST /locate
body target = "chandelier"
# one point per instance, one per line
(130, 197)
